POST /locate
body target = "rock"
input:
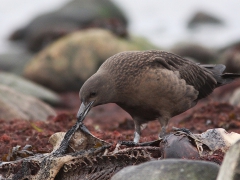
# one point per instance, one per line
(231, 58)
(29, 88)
(77, 14)
(230, 169)
(15, 105)
(14, 62)
(210, 145)
(235, 97)
(218, 139)
(203, 18)
(79, 141)
(196, 52)
(171, 169)
(68, 62)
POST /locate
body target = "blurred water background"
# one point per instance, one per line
(162, 22)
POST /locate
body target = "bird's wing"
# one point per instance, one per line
(199, 77)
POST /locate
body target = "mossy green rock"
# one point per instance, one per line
(170, 169)
(68, 62)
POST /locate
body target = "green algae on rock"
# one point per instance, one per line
(67, 63)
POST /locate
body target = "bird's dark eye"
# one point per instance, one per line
(92, 94)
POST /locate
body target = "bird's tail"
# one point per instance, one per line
(221, 78)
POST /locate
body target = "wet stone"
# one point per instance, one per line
(171, 169)
(230, 169)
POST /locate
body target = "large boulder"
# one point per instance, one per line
(203, 18)
(29, 88)
(77, 14)
(68, 62)
(231, 58)
(15, 105)
(13, 61)
(230, 169)
(170, 169)
(196, 52)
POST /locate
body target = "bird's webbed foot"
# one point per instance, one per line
(127, 143)
(133, 144)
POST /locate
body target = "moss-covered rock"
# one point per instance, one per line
(68, 62)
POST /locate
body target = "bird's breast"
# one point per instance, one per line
(141, 112)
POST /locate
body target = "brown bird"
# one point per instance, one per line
(151, 85)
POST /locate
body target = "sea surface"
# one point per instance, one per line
(163, 22)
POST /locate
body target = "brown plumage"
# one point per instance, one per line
(152, 85)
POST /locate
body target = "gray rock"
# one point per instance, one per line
(76, 14)
(230, 169)
(201, 18)
(29, 88)
(196, 52)
(235, 97)
(15, 105)
(170, 169)
(231, 58)
(14, 62)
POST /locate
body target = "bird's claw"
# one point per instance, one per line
(132, 144)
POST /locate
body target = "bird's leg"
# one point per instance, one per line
(163, 121)
(137, 135)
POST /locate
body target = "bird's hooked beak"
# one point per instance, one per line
(83, 110)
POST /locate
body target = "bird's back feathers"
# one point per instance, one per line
(203, 77)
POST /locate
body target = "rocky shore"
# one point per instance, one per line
(39, 97)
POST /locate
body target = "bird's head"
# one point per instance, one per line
(97, 90)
